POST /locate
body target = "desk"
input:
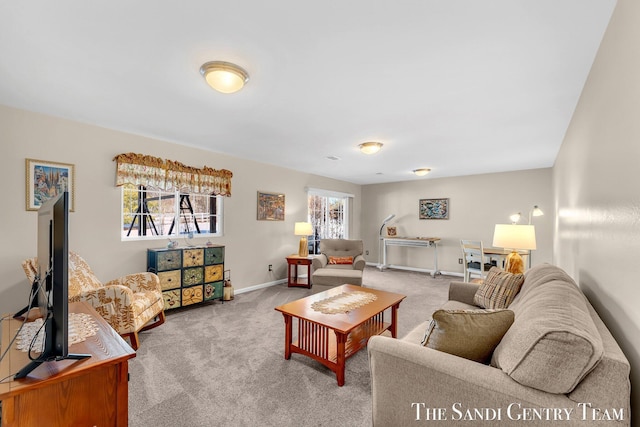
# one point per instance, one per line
(421, 242)
(293, 261)
(90, 392)
(502, 253)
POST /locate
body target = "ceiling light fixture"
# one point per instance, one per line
(223, 76)
(421, 171)
(370, 147)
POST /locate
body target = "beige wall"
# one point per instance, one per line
(477, 203)
(251, 245)
(596, 178)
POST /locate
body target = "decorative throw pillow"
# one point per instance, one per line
(340, 260)
(472, 334)
(499, 289)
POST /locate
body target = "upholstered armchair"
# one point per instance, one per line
(130, 304)
(340, 262)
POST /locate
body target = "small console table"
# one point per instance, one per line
(424, 242)
(293, 261)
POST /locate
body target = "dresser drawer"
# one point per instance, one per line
(213, 290)
(171, 299)
(169, 260)
(213, 273)
(192, 295)
(192, 257)
(170, 279)
(192, 276)
(214, 255)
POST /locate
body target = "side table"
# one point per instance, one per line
(293, 261)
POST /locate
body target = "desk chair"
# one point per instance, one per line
(473, 257)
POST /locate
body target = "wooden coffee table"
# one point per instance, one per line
(332, 338)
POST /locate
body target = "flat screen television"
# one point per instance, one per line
(51, 285)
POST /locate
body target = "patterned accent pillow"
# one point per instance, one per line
(340, 260)
(499, 289)
(472, 334)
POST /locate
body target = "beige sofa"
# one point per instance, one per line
(556, 364)
(327, 267)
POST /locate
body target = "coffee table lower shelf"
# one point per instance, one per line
(329, 347)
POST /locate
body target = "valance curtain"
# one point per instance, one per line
(149, 171)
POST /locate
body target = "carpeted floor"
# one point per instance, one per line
(223, 364)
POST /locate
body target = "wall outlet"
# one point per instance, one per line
(271, 267)
(366, 252)
(459, 260)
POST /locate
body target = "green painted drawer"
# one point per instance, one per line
(169, 260)
(192, 276)
(214, 255)
(213, 290)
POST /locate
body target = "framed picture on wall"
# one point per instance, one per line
(270, 206)
(46, 180)
(433, 209)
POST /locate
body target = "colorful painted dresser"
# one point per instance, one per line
(188, 275)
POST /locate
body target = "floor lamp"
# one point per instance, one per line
(384, 222)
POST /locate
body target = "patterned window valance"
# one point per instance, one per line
(139, 169)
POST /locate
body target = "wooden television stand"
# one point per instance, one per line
(88, 392)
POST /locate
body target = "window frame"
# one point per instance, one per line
(346, 214)
(216, 211)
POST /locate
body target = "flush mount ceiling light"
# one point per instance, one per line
(422, 171)
(223, 76)
(370, 147)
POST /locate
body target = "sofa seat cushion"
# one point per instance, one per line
(553, 343)
(498, 289)
(472, 334)
(337, 276)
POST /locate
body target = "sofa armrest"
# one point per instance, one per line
(138, 282)
(463, 292)
(406, 378)
(359, 263)
(319, 261)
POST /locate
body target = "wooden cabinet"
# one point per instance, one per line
(188, 275)
(91, 392)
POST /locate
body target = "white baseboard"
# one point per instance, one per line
(259, 286)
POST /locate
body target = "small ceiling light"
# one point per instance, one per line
(223, 76)
(370, 147)
(421, 171)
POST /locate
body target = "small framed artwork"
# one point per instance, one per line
(45, 180)
(434, 209)
(270, 206)
(391, 232)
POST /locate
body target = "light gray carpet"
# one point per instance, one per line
(223, 364)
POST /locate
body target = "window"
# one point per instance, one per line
(149, 213)
(328, 213)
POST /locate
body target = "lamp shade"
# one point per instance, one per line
(514, 236)
(303, 229)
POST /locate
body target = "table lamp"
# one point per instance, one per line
(303, 229)
(515, 237)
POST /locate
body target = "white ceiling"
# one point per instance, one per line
(458, 86)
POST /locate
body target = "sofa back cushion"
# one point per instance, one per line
(553, 343)
(341, 247)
